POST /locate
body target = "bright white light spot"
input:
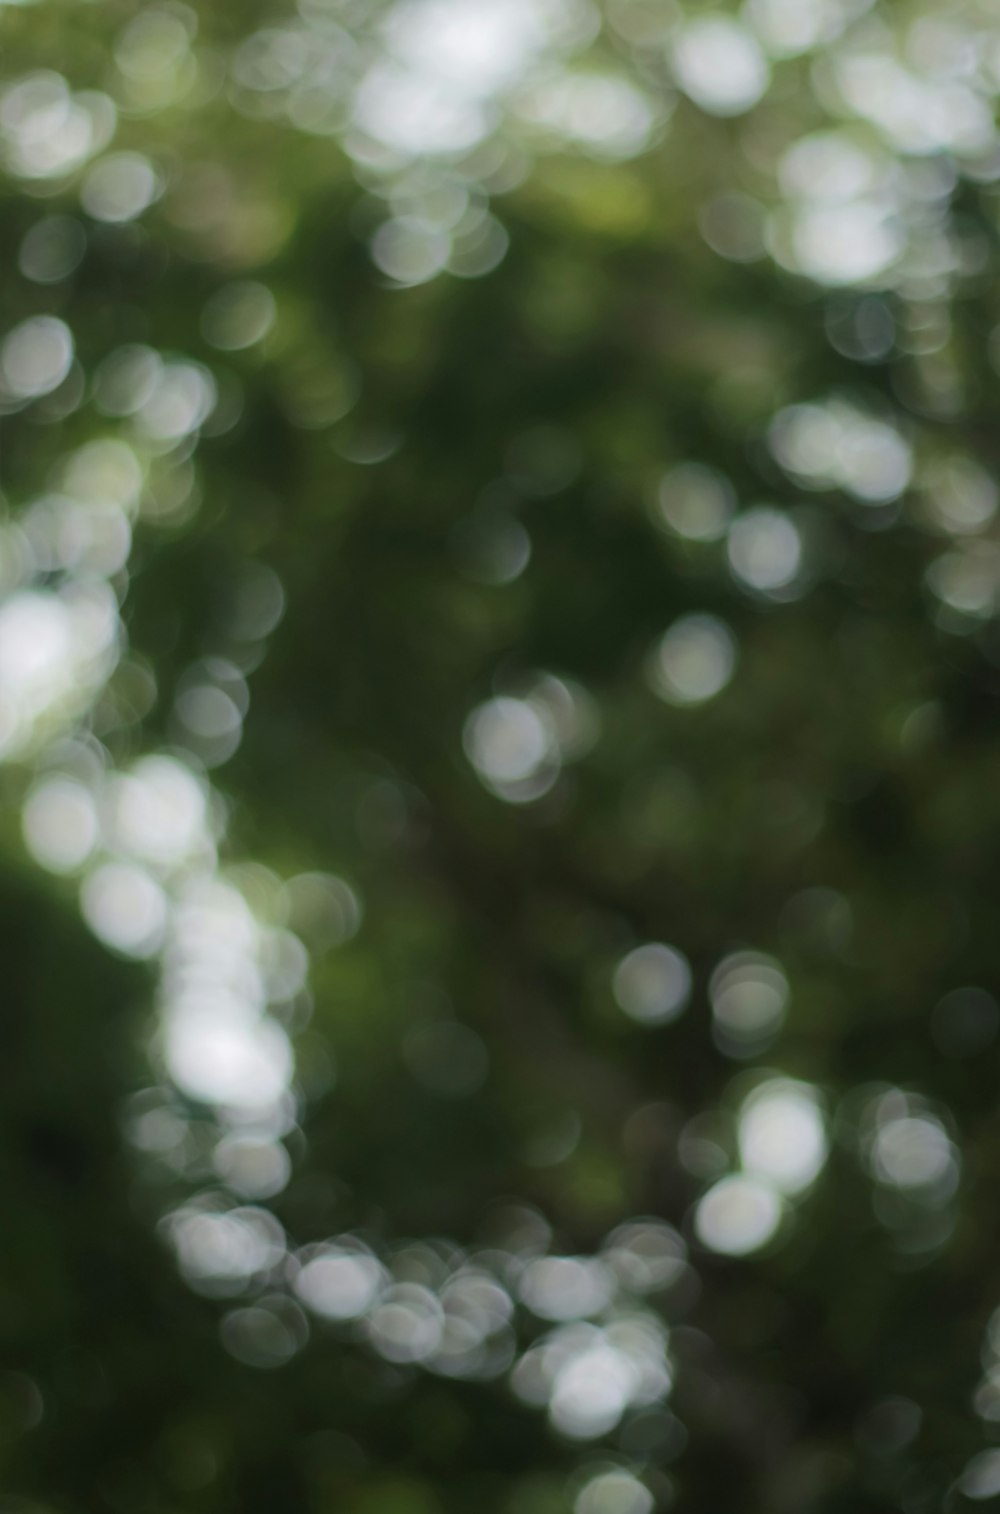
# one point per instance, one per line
(646, 1254)
(696, 502)
(415, 115)
(127, 379)
(60, 824)
(210, 715)
(614, 1492)
(478, 1292)
(782, 1136)
(605, 114)
(915, 114)
(153, 45)
(410, 251)
(806, 441)
(284, 962)
(566, 1287)
(912, 1152)
(478, 45)
(340, 1284)
(840, 228)
(478, 252)
(790, 27)
(960, 495)
(827, 165)
(450, 60)
(981, 1477)
(105, 478)
(652, 983)
(120, 187)
(591, 1393)
(225, 1248)
(36, 356)
(694, 661)
(71, 534)
(183, 396)
(47, 130)
(834, 444)
(221, 1051)
(467, 1329)
(251, 1166)
(406, 1325)
(104, 472)
(589, 1376)
(737, 1216)
(51, 646)
(510, 745)
(845, 244)
(749, 994)
(159, 811)
(764, 549)
(719, 63)
(272, 58)
(968, 579)
(125, 908)
(568, 713)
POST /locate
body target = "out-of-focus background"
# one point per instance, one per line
(499, 757)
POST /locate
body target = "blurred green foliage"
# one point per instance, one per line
(497, 599)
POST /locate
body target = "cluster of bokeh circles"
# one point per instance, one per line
(443, 107)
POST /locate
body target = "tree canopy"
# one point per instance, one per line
(499, 567)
